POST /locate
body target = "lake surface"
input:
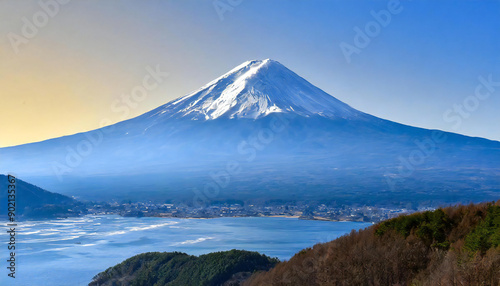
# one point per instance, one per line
(71, 251)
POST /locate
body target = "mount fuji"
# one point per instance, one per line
(254, 90)
(259, 133)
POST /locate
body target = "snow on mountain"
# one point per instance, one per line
(254, 90)
(327, 152)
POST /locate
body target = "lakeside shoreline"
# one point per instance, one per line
(250, 216)
(198, 218)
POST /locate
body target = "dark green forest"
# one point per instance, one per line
(175, 268)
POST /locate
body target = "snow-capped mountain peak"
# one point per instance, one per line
(253, 90)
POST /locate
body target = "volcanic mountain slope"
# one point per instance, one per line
(254, 90)
(261, 132)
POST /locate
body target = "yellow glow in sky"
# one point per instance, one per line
(66, 77)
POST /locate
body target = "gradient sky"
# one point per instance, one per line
(66, 77)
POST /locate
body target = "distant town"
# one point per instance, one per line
(303, 211)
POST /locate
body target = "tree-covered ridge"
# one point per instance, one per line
(450, 246)
(487, 234)
(434, 228)
(175, 268)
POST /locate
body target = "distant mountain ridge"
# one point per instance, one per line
(261, 132)
(34, 202)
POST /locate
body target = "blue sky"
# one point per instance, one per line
(419, 69)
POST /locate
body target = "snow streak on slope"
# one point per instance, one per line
(253, 90)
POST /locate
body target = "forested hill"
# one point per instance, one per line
(451, 246)
(175, 268)
(34, 202)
